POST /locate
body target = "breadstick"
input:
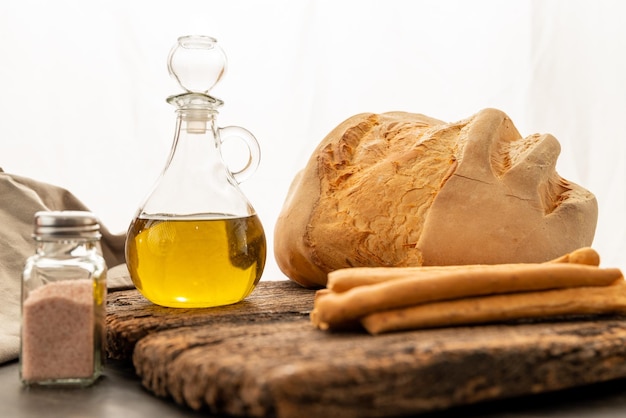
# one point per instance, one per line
(333, 309)
(498, 308)
(348, 278)
(345, 279)
(585, 255)
(320, 292)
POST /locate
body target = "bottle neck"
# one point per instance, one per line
(195, 152)
(196, 122)
(195, 181)
(196, 139)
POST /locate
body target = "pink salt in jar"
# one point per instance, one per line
(63, 302)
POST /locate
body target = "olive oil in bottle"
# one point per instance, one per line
(196, 241)
(196, 262)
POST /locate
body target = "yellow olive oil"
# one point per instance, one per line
(192, 263)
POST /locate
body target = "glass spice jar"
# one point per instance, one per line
(63, 302)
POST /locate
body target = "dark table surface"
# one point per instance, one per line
(119, 394)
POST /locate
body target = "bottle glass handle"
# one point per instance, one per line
(254, 151)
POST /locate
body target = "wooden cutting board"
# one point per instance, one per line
(262, 358)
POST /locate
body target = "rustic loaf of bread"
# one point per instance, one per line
(403, 189)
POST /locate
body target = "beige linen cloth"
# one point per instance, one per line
(20, 198)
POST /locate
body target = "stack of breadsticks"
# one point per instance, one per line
(386, 299)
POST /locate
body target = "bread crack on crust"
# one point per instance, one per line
(553, 193)
(478, 180)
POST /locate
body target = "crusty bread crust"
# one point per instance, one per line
(400, 189)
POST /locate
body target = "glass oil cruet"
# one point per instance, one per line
(196, 241)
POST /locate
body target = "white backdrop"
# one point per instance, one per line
(83, 86)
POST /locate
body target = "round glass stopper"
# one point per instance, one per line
(197, 63)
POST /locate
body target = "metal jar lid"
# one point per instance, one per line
(66, 224)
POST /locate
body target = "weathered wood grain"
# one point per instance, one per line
(131, 317)
(263, 358)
